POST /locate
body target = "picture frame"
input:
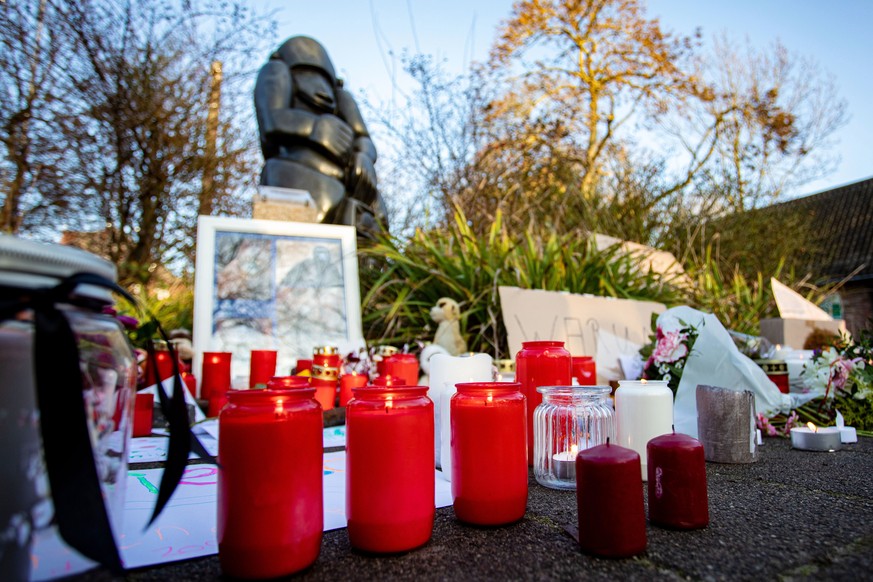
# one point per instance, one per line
(274, 285)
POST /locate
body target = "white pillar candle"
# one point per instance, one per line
(643, 410)
(445, 372)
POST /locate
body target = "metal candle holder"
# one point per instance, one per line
(726, 424)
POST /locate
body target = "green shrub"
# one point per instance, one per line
(402, 280)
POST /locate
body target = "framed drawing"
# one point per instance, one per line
(274, 285)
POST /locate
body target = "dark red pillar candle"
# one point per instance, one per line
(677, 482)
(347, 383)
(540, 363)
(489, 452)
(143, 415)
(609, 495)
(270, 482)
(389, 468)
(262, 367)
(215, 377)
(584, 370)
(404, 367)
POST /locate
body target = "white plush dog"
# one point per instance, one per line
(447, 314)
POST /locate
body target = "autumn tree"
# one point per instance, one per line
(590, 116)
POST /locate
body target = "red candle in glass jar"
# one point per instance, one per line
(584, 370)
(270, 482)
(347, 383)
(386, 381)
(215, 378)
(262, 367)
(215, 404)
(162, 362)
(303, 366)
(609, 494)
(404, 367)
(325, 392)
(390, 468)
(327, 356)
(677, 482)
(383, 352)
(190, 383)
(143, 415)
(489, 452)
(288, 382)
(540, 363)
(777, 371)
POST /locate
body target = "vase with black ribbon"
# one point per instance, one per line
(67, 382)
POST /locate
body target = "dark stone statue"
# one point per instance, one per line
(314, 138)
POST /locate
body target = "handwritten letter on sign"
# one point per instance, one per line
(603, 327)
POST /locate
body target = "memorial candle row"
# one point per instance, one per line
(270, 477)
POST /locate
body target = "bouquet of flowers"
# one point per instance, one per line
(667, 353)
(842, 378)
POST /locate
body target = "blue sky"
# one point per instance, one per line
(366, 37)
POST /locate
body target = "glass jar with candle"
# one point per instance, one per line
(489, 453)
(540, 363)
(270, 480)
(570, 419)
(389, 468)
(67, 379)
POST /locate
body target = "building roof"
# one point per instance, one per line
(842, 219)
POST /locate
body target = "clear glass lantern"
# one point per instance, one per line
(569, 419)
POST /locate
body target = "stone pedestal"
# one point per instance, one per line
(272, 203)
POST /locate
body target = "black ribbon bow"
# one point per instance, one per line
(80, 512)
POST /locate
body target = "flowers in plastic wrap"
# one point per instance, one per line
(667, 354)
(692, 348)
(841, 379)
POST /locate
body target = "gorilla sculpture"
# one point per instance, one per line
(313, 137)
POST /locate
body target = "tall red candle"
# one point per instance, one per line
(270, 482)
(584, 370)
(677, 482)
(389, 468)
(540, 363)
(215, 378)
(262, 367)
(609, 494)
(404, 367)
(489, 452)
(347, 383)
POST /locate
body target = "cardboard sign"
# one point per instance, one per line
(603, 327)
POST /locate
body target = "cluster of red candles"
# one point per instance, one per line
(270, 513)
(609, 490)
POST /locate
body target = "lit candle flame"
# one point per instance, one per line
(812, 427)
(389, 404)
(489, 399)
(574, 450)
(280, 407)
